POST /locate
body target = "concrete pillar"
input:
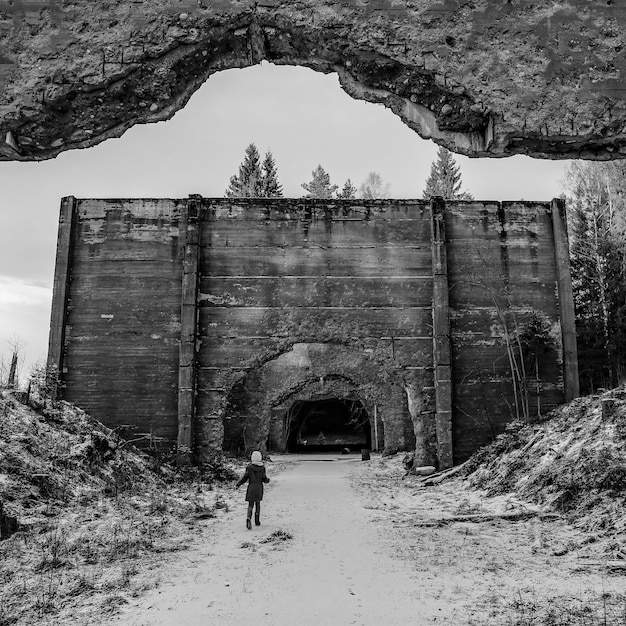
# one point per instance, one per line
(571, 388)
(189, 240)
(56, 340)
(441, 335)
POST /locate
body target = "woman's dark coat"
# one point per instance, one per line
(256, 476)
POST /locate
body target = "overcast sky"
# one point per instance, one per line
(302, 116)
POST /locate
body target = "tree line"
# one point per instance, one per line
(596, 202)
(596, 215)
(596, 207)
(258, 178)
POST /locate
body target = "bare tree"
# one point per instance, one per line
(597, 221)
(4, 371)
(11, 369)
(374, 187)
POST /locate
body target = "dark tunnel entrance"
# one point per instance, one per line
(328, 426)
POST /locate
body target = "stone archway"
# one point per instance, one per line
(484, 79)
(312, 372)
(286, 420)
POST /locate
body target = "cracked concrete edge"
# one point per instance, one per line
(493, 110)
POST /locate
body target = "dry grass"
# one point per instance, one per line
(574, 463)
(564, 566)
(584, 609)
(93, 515)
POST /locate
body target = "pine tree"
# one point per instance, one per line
(374, 187)
(248, 182)
(320, 185)
(348, 192)
(270, 187)
(445, 178)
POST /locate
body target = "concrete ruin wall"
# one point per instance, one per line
(502, 269)
(116, 326)
(484, 78)
(200, 322)
(298, 294)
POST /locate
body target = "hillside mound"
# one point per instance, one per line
(83, 515)
(58, 457)
(574, 463)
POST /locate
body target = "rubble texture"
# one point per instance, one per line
(484, 78)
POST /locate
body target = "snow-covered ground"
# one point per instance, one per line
(107, 535)
(350, 542)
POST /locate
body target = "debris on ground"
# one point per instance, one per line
(278, 536)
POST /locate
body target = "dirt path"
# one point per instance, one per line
(339, 545)
(329, 572)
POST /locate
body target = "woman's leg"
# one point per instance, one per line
(257, 514)
(249, 515)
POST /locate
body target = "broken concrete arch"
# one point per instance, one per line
(258, 411)
(484, 79)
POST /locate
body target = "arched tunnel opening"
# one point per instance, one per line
(330, 425)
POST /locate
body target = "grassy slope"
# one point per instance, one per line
(93, 515)
(574, 463)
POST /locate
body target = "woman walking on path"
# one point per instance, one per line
(255, 475)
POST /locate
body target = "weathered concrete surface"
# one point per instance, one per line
(305, 300)
(485, 78)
